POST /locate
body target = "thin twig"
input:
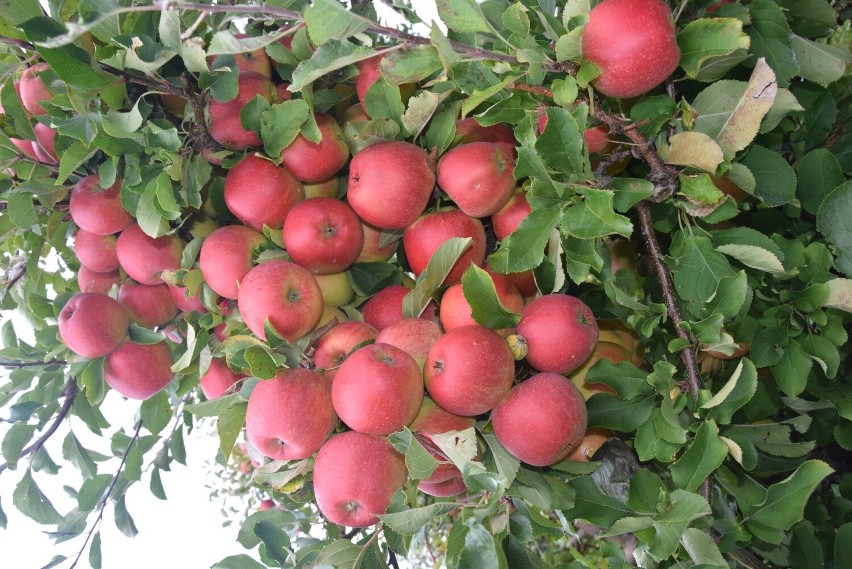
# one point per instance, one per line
(392, 559)
(20, 365)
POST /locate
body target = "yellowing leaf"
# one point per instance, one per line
(694, 149)
(839, 294)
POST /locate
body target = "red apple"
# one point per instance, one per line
(423, 237)
(91, 281)
(507, 219)
(415, 336)
(385, 307)
(98, 210)
(713, 7)
(335, 345)
(45, 149)
(227, 255)
(323, 235)
(456, 312)
(256, 61)
(313, 162)
(377, 390)
(469, 370)
(283, 91)
(92, 324)
(218, 379)
(373, 251)
(478, 177)
(266, 505)
(97, 252)
(368, 74)
(355, 477)
(468, 130)
(260, 193)
(444, 489)
(283, 292)
(33, 90)
(433, 420)
(542, 420)
(390, 183)
(225, 125)
(27, 147)
(139, 371)
(596, 138)
(149, 306)
(290, 416)
(592, 441)
(633, 44)
(185, 301)
(143, 258)
(561, 332)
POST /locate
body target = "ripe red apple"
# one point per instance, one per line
(355, 477)
(390, 183)
(592, 441)
(33, 90)
(139, 371)
(149, 306)
(91, 281)
(456, 312)
(218, 379)
(92, 324)
(27, 147)
(713, 7)
(256, 61)
(525, 281)
(596, 138)
(260, 193)
(469, 370)
(45, 149)
(313, 162)
(385, 307)
(290, 416)
(372, 251)
(323, 235)
(468, 130)
(185, 301)
(615, 353)
(415, 336)
(542, 420)
(633, 44)
(561, 332)
(444, 489)
(97, 252)
(227, 255)
(433, 420)
(507, 219)
(423, 237)
(143, 258)
(225, 125)
(283, 91)
(478, 177)
(98, 210)
(368, 74)
(283, 292)
(335, 345)
(266, 505)
(377, 390)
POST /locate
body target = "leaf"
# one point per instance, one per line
(561, 144)
(595, 217)
(626, 379)
(411, 521)
(421, 108)
(608, 411)
(839, 294)
(697, 268)
(14, 111)
(123, 521)
(479, 96)
(225, 41)
(410, 65)
(818, 174)
(703, 456)
(693, 149)
(753, 256)
(280, 124)
(329, 19)
(770, 35)
(340, 553)
(479, 548)
(328, 57)
(507, 465)
(685, 508)
(481, 295)
(843, 542)
(463, 16)
(737, 391)
(431, 279)
(15, 440)
(240, 561)
(31, 502)
(524, 248)
(592, 505)
(229, 425)
(708, 39)
(791, 372)
(819, 62)
(785, 501)
(702, 549)
(833, 222)
(420, 462)
(383, 101)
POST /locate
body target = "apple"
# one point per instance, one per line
(618, 332)
(616, 353)
(256, 61)
(596, 138)
(368, 74)
(433, 420)
(139, 371)
(149, 306)
(27, 147)
(468, 130)
(313, 162)
(390, 183)
(283, 292)
(227, 255)
(283, 91)
(96, 252)
(334, 346)
(323, 235)
(507, 219)
(542, 420)
(225, 125)
(336, 289)
(354, 114)
(415, 336)
(33, 90)
(92, 324)
(469, 370)
(324, 189)
(478, 177)
(593, 440)
(385, 307)
(456, 312)
(729, 188)
(373, 251)
(444, 489)
(377, 390)
(174, 104)
(143, 258)
(290, 416)
(91, 281)
(260, 193)
(330, 313)
(355, 477)
(45, 149)
(713, 7)
(423, 237)
(98, 210)
(218, 379)
(266, 505)
(622, 254)
(184, 301)
(561, 332)
(633, 44)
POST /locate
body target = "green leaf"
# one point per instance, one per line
(507, 465)
(281, 123)
(14, 442)
(420, 462)
(595, 217)
(156, 412)
(481, 95)
(705, 40)
(370, 278)
(561, 144)
(627, 380)
(411, 521)
(123, 521)
(14, 110)
(819, 62)
(240, 561)
(791, 372)
(693, 149)
(31, 502)
(229, 425)
(252, 113)
(818, 174)
(629, 192)
(383, 101)
(843, 542)
(421, 108)
(592, 505)
(339, 553)
(486, 308)
(524, 248)
(608, 411)
(17, 12)
(479, 548)
(431, 279)
(737, 391)
(328, 57)
(702, 549)
(703, 456)
(463, 16)
(776, 179)
(785, 501)
(329, 19)
(21, 210)
(410, 65)
(696, 267)
(751, 248)
(671, 524)
(770, 35)
(833, 222)
(76, 454)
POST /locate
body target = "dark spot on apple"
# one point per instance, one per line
(292, 295)
(351, 507)
(438, 365)
(329, 231)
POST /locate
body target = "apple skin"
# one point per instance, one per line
(469, 370)
(596, 138)
(433, 420)
(561, 332)
(415, 336)
(225, 126)
(286, 294)
(45, 149)
(611, 40)
(324, 189)
(456, 312)
(336, 289)
(260, 193)
(713, 7)
(618, 332)
(468, 130)
(390, 183)
(592, 441)
(444, 489)
(330, 313)
(478, 177)
(283, 91)
(256, 61)
(27, 147)
(385, 307)
(355, 477)
(372, 251)
(96, 252)
(226, 256)
(33, 90)
(542, 420)
(218, 379)
(98, 210)
(313, 162)
(149, 306)
(184, 301)
(266, 505)
(423, 237)
(91, 281)
(139, 371)
(616, 353)
(92, 324)
(143, 258)
(507, 219)
(377, 390)
(323, 235)
(290, 416)
(335, 345)
(368, 74)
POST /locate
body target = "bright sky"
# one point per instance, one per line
(185, 531)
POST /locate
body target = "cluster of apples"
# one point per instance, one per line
(32, 92)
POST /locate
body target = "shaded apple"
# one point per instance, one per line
(468, 130)
(256, 61)
(324, 189)
(98, 210)
(455, 311)
(373, 251)
(593, 440)
(313, 162)
(423, 237)
(184, 301)
(478, 177)
(561, 332)
(144, 258)
(96, 252)
(433, 420)
(225, 126)
(92, 324)
(323, 235)
(444, 489)
(33, 91)
(506, 220)
(139, 371)
(218, 379)
(227, 255)
(334, 346)
(149, 306)
(260, 193)
(45, 149)
(336, 289)
(385, 307)
(92, 281)
(415, 336)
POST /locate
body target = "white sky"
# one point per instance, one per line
(183, 532)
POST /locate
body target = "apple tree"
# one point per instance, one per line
(535, 284)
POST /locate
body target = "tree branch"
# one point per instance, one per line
(20, 365)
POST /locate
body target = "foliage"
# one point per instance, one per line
(740, 461)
